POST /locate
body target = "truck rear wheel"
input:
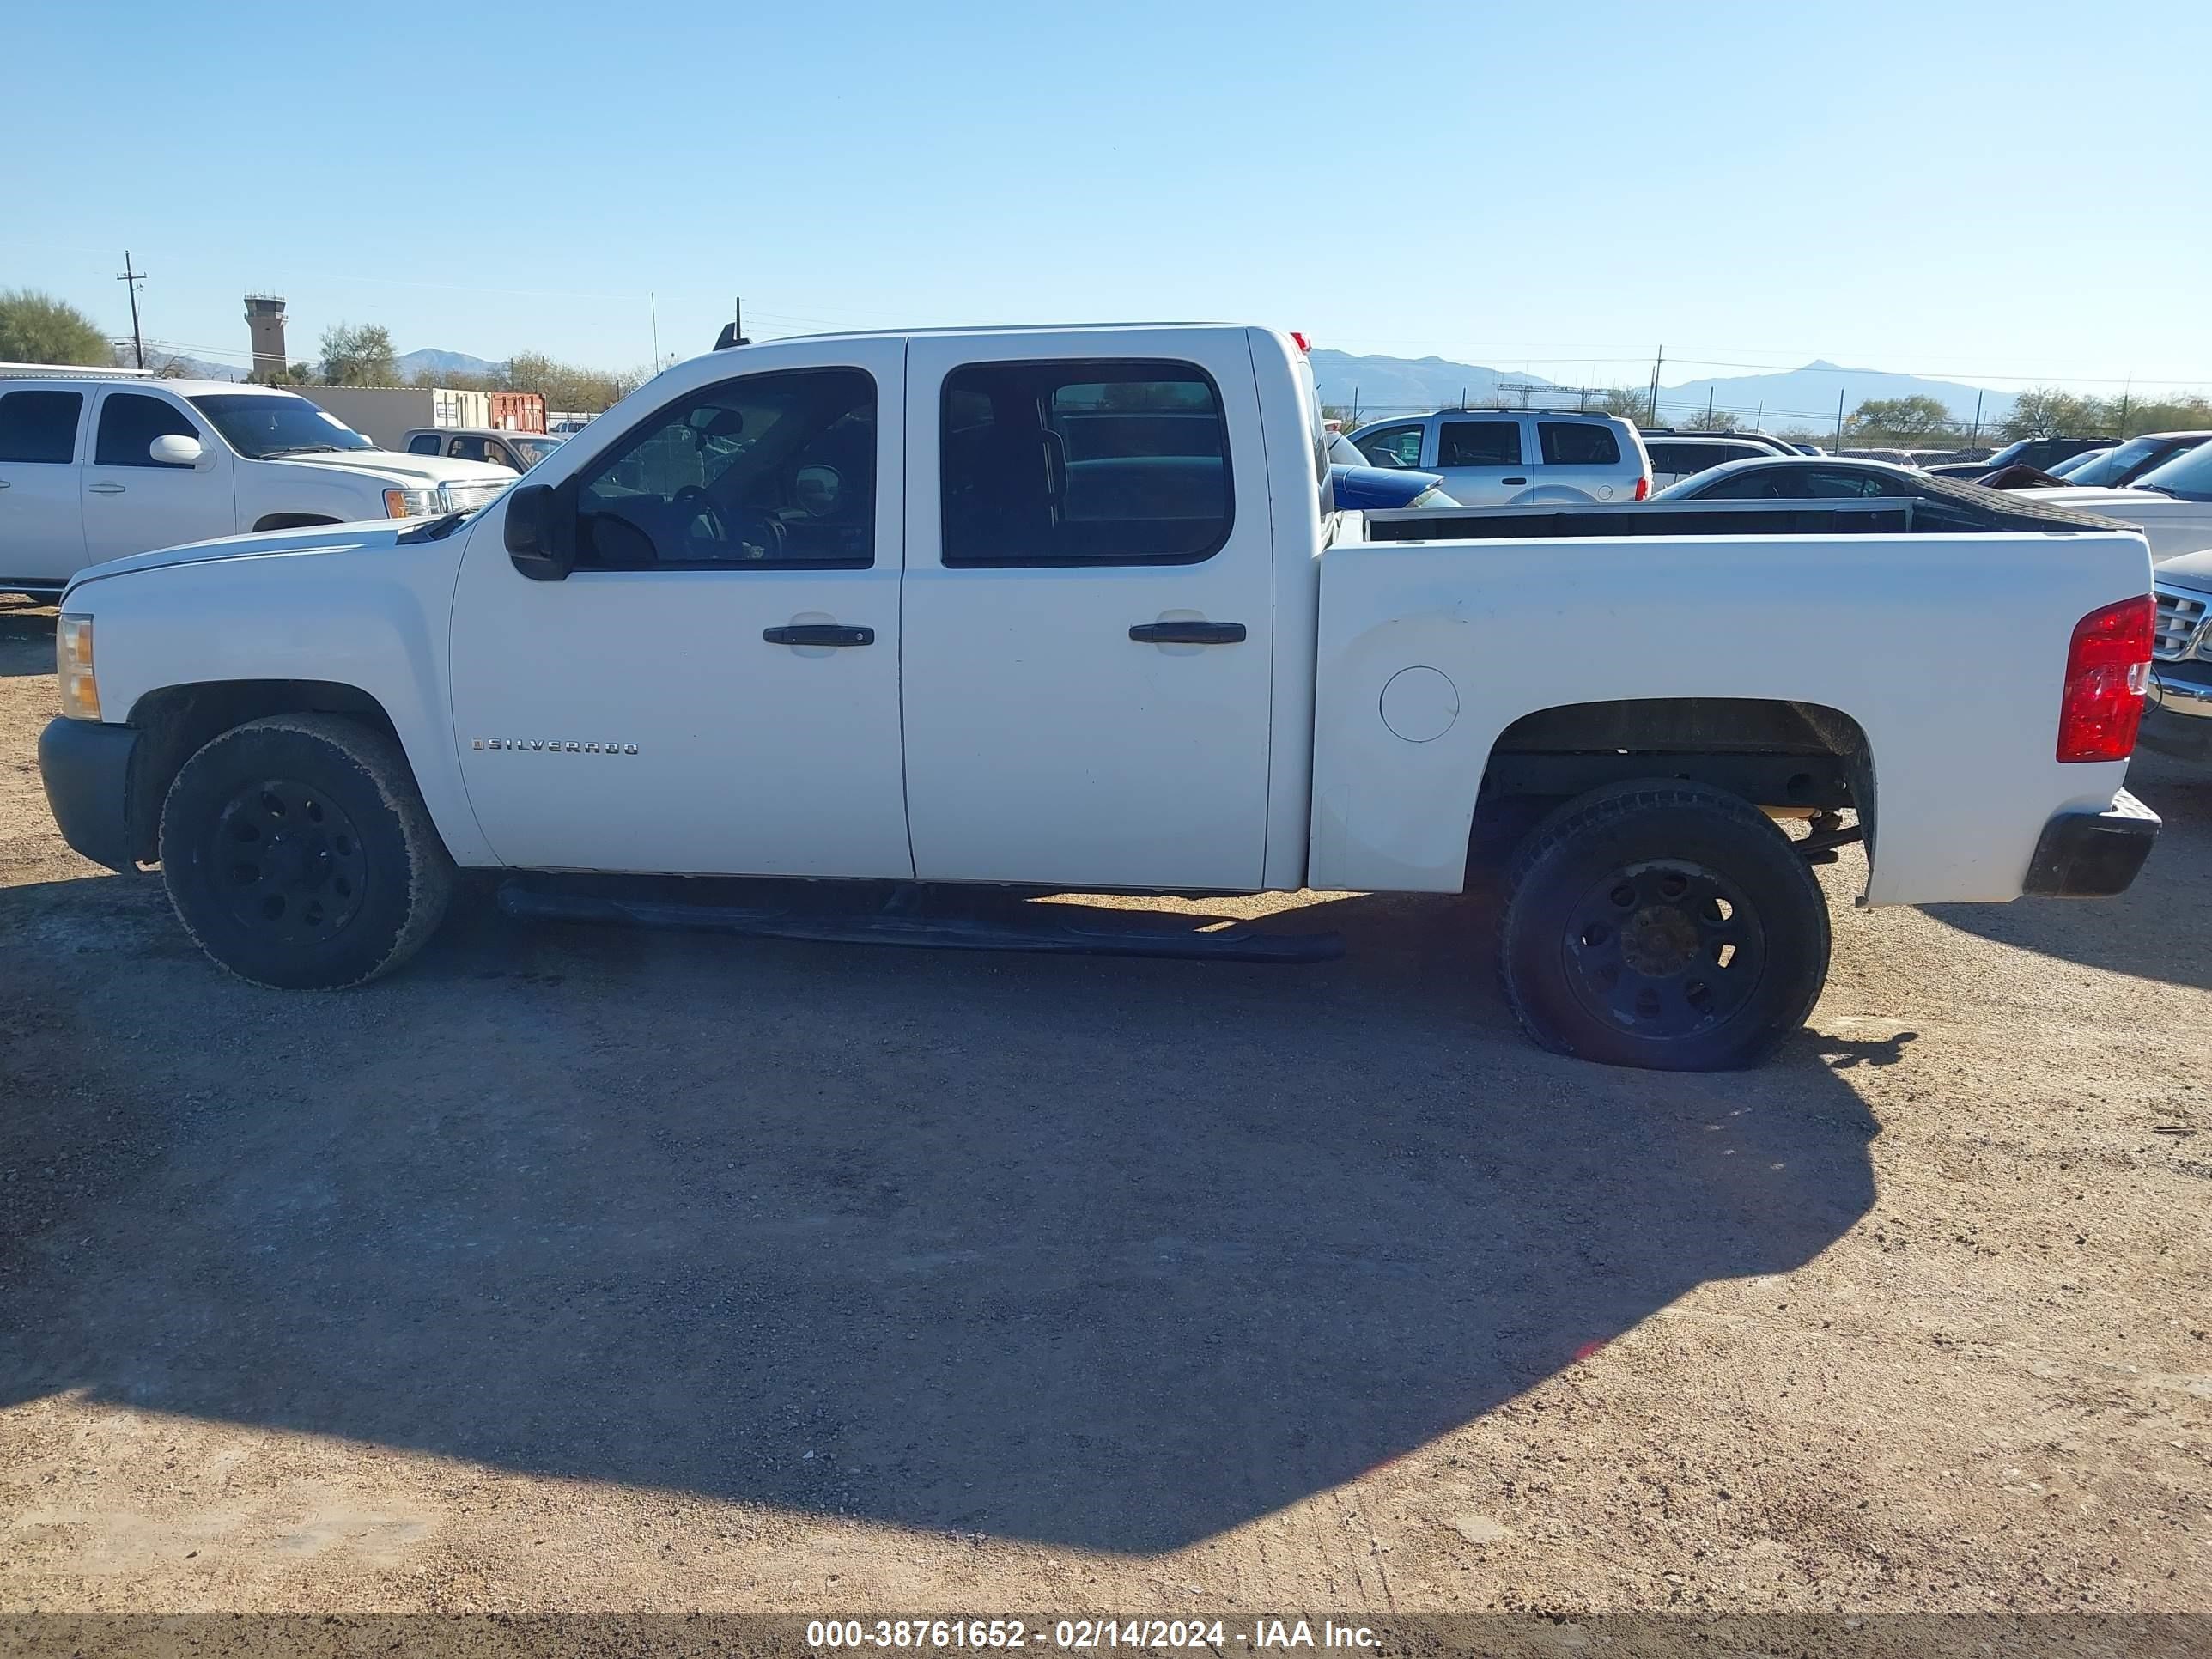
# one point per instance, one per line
(298, 854)
(1664, 925)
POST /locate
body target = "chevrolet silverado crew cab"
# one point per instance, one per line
(1074, 608)
(94, 467)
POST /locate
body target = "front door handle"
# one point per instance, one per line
(818, 633)
(1513, 481)
(105, 489)
(1187, 633)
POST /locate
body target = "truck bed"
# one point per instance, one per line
(1950, 509)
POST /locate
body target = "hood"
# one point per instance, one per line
(1378, 489)
(402, 468)
(375, 535)
(2191, 570)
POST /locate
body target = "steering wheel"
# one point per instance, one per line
(692, 503)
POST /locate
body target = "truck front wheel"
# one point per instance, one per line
(1663, 925)
(298, 854)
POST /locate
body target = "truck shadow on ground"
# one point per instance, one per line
(1111, 1253)
(2156, 930)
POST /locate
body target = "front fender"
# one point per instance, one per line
(372, 619)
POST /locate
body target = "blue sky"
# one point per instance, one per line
(2001, 193)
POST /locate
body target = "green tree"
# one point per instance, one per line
(2046, 411)
(359, 355)
(1715, 419)
(37, 328)
(566, 385)
(1899, 420)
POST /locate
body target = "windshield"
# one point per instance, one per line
(260, 425)
(2188, 474)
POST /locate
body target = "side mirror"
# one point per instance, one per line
(542, 547)
(175, 449)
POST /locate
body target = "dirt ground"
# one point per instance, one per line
(577, 1269)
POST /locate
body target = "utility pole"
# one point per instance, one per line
(1839, 421)
(1655, 362)
(1709, 408)
(131, 279)
(1974, 433)
(653, 300)
(738, 318)
(2126, 388)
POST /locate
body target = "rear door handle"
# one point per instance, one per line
(818, 633)
(105, 489)
(1513, 481)
(1187, 633)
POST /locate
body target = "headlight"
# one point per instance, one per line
(73, 666)
(412, 503)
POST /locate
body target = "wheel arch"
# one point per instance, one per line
(1777, 754)
(174, 722)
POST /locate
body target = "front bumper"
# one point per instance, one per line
(86, 769)
(2092, 854)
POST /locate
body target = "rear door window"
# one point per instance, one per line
(129, 423)
(1577, 443)
(422, 443)
(1393, 446)
(1839, 483)
(1761, 483)
(39, 426)
(1121, 461)
(1478, 443)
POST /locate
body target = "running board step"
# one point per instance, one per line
(530, 902)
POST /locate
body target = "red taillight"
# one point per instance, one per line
(1643, 490)
(1299, 341)
(2108, 673)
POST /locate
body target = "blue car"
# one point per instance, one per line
(1360, 488)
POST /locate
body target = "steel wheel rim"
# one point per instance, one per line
(1663, 949)
(287, 863)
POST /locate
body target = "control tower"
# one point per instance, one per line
(265, 322)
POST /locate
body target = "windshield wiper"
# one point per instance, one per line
(436, 531)
(299, 449)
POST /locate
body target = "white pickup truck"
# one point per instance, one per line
(95, 465)
(1072, 608)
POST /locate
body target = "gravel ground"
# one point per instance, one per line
(577, 1269)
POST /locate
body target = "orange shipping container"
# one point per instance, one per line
(518, 411)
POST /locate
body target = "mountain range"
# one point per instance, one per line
(1804, 397)
(1799, 398)
(432, 360)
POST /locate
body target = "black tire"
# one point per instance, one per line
(1663, 925)
(299, 855)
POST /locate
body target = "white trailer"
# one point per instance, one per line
(386, 414)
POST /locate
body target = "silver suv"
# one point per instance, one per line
(1490, 457)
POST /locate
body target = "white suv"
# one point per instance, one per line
(95, 467)
(1491, 457)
